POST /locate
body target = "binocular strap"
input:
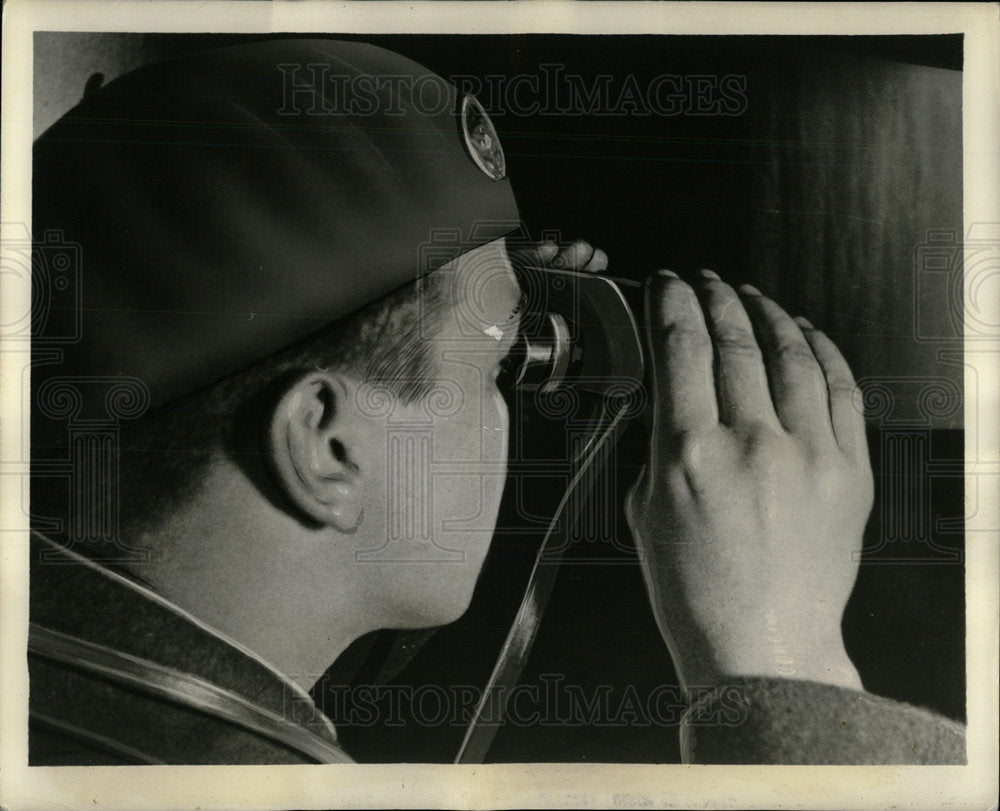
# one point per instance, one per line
(517, 646)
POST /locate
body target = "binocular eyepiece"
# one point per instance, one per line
(542, 360)
(577, 331)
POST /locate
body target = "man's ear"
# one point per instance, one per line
(310, 444)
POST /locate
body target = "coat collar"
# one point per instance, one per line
(84, 613)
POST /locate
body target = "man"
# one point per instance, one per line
(324, 418)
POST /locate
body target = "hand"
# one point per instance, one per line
(752, 504)
(578, 255)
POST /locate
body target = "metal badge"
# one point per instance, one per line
(481, 139)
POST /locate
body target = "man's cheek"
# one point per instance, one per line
(468, 474)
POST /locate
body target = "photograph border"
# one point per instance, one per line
(537, 784)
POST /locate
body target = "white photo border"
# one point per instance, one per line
(512, 785)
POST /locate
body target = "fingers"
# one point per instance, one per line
(534, 255)
(681, 355)
(598, 262)
(798, 387)
(847, 421)
(717, 358)
(741, 382)
(581, 255)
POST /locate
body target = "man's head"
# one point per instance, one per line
(312, 291)
(375, 450)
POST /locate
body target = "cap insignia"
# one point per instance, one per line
(481, 139)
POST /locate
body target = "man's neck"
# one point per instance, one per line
(258, 576)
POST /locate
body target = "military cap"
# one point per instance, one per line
(229, 203)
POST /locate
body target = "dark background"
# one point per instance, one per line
(821, 193)
(831, 189)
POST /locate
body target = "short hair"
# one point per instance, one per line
(166, 454)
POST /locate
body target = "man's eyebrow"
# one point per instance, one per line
(511, 333)
(506, 330)
(514, 318)
(519, 305)
(517, 314)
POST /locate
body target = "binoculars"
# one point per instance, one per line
(578, 330)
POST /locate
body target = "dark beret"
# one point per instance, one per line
(223, 205)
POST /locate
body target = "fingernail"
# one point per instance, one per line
(804, 322)
(667, 273)
(709, 274)
(750, 290)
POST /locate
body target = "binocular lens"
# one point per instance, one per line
(577, 332)
(540, 361)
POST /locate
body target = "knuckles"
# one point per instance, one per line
(723, 452)
(841, 386)
(794, 354)
(738, 344)
(684, 340)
